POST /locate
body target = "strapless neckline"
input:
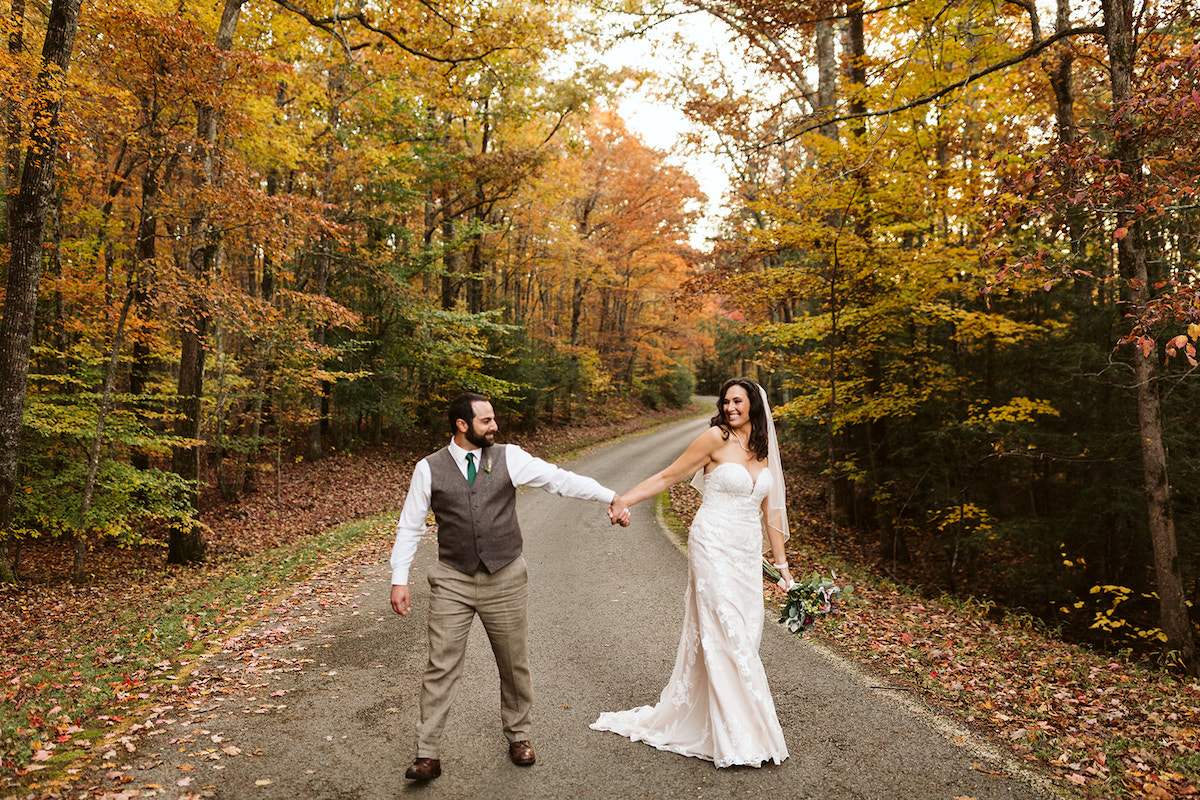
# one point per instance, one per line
(753, 478)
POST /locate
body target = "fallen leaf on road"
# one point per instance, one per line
(263, 782)
(986, 771)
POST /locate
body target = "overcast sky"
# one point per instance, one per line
(659, 123)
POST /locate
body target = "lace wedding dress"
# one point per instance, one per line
(717, 705)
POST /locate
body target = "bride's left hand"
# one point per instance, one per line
(785, 579)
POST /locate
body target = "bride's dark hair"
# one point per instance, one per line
(758, 416)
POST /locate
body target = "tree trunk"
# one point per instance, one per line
(319, 400)
(1058, 67)
(826, 76)
(479, 217)
(93, 465)
(857, 66)
(838, 488)
(187, 546)
(578, 292)
(451, 264)
(262, 367)
(12, 177)
(144, 253)
(841, 491)
(478, 259)
(12, 120)
(27, 220)
(1131, 259)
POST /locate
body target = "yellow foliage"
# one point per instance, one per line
(1017, 410)
(966, 515)
(1111, 589)
(978, 326)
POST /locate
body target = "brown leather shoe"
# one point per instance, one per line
(424, 769)
(521, 753)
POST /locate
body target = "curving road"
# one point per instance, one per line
(605, 610)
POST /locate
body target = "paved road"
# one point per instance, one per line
(606, 605)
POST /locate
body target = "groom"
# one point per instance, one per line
(471, 486)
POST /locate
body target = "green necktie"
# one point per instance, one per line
(470, 467)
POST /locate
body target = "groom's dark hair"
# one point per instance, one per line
(463, 407)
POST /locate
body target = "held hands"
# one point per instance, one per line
(618, 512)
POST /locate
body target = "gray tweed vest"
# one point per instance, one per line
(477, 523)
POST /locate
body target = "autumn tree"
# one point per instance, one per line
(1133, 255)
(1131, 160)
(27, 219)
(878, 229)
(283, 227)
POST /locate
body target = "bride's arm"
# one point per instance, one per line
(778, 554)
(694, 459)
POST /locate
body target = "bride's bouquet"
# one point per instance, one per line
(808, 600)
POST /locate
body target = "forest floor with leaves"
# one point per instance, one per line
(90, 674)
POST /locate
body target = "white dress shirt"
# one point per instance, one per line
(523, 470)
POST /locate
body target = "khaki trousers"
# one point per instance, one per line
(501, 600)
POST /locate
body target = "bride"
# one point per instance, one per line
(717, 705)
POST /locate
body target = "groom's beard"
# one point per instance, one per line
(480, 439)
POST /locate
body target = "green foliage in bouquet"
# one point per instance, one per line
(807, 600)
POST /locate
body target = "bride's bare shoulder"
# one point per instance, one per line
(712, 437)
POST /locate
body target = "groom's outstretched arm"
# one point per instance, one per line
(527, 470)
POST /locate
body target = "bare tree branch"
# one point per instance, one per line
(816, 121)
(327, 24)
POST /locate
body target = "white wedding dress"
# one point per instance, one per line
(717, 705)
